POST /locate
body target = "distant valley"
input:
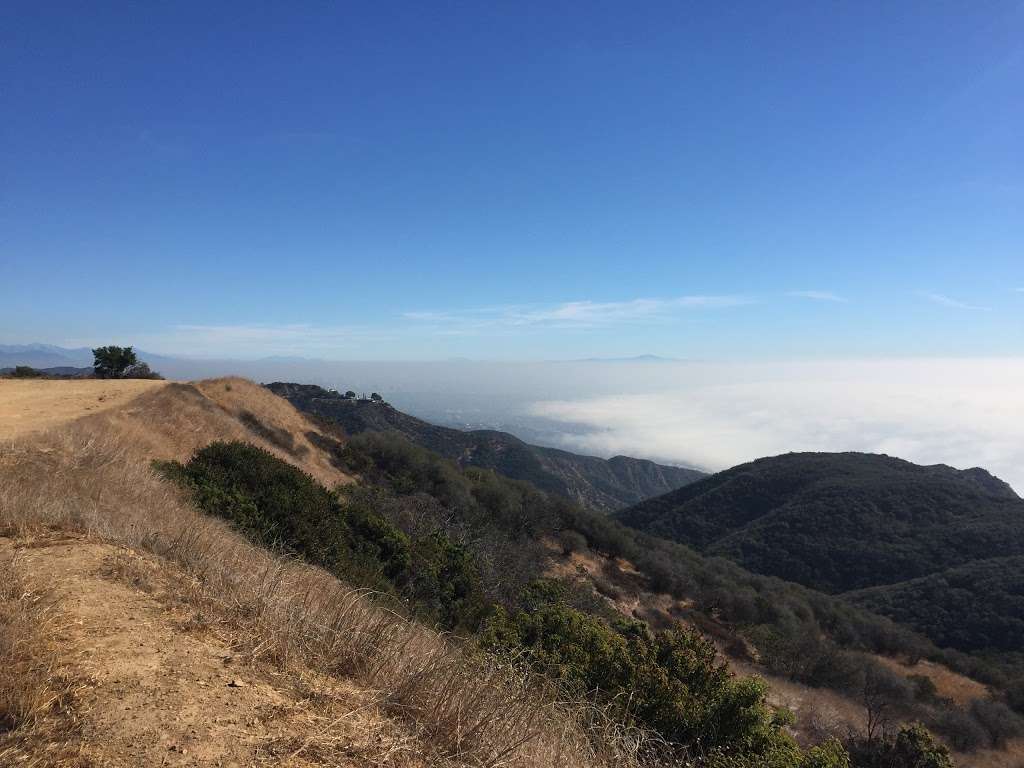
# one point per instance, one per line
(600, 484)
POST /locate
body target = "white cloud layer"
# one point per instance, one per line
(960, 412)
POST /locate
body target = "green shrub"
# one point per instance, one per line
(571, 541)
(999, 721)
(960, 729)
(1015, 695)
(912, 747)
(668, 682)
(924, 688)
(277, 505)
(831, 754)
(444, 540)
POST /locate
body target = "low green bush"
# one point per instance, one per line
(911, 747)
(667, 681)
(278, 506)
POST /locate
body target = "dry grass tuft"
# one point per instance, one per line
(36, 714)
(462, 708)
(177, 419)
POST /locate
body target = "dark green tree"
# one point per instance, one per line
(912, 747)
(111, 362)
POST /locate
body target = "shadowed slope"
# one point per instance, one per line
(841, 521)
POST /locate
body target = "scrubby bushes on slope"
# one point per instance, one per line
(911, 747)
(455, 708)
(665, 682)
(277, 505)
(813, 638)
(464, 546)
(975, 607)
(668, 681)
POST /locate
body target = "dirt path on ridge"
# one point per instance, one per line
(156, 692)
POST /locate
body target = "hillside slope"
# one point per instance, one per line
(141, 597)
(601, 484)
(978, 606)
(841, 521)
(134, 630)
(174, 421)
(935, 548)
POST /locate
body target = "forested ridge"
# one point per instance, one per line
(933, 547)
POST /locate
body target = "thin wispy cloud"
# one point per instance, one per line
(577, 314)
(819, 296)
(947, 301)
(260, 339)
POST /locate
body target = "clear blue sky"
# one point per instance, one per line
(518, 180)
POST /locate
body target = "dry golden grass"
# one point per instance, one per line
(174, 421)
(948, 684)
(94, 477)
(31, 405)
(35, 696)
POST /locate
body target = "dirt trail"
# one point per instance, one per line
(30, 405)
(157, 691)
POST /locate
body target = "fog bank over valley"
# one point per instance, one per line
(711, 415)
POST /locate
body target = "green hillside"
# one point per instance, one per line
(975, 607)
(841, 521)
(935, 548)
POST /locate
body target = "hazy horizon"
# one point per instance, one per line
(705, 414)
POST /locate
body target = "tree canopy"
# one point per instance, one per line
(111, 362)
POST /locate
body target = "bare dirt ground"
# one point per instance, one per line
(30, 405)
(157, 684)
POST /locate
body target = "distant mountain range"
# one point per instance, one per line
(601, 484)
(931, 546)
(43, 356)
(633, 359)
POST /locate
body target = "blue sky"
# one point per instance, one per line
(515, 180)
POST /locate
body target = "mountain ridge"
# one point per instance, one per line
(602, 484)
(882, 532)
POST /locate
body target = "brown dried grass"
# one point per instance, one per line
(36, 698)
(93, 477)
(177, 419)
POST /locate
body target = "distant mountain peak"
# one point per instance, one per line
(633, 359)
